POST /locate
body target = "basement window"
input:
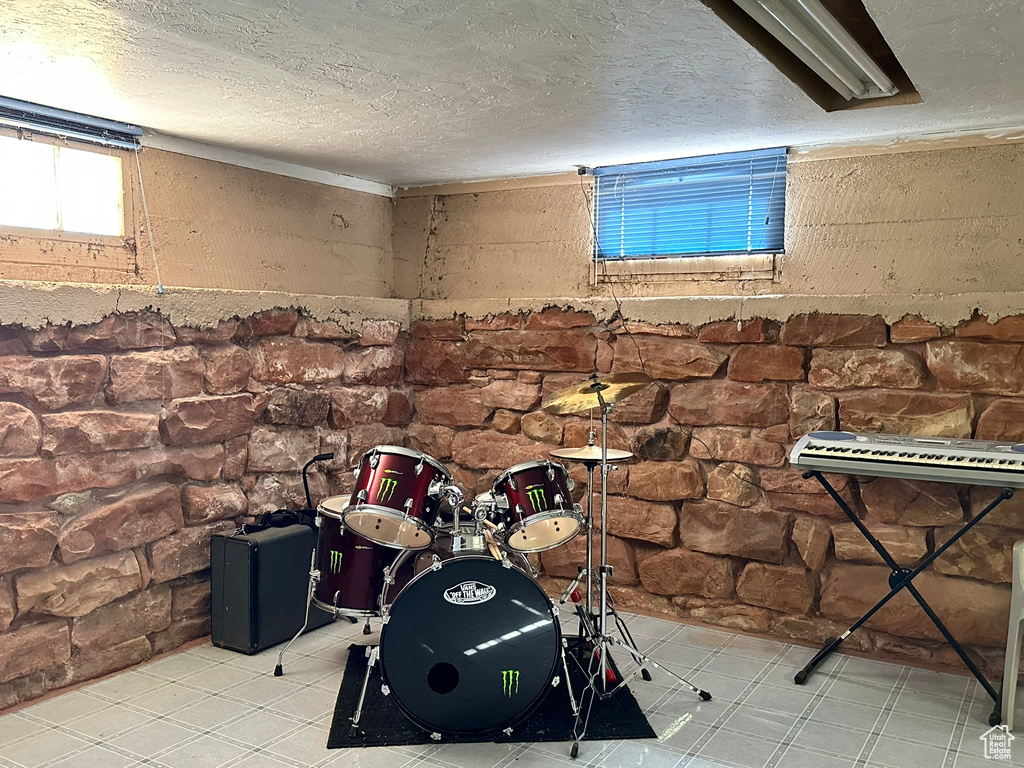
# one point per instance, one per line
(726, 205)
(58, 188)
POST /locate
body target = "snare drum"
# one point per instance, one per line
(540, 513)
(351, 567)
(396, 497)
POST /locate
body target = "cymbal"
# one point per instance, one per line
(590, 453)
(583, 396)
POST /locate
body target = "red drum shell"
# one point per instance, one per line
(392, 502)
(540, 514)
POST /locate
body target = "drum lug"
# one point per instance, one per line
(362, 496)
(435, 736)
(558, 500)
(570, 484)
(408, 505)
(435, 564)
(374, 459)
(505, 562)
(556, 681)
(384, 620)
(419, 467)
(385, 690)
(550, 472)
(507, 731)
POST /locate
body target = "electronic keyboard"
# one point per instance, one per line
(938, 459)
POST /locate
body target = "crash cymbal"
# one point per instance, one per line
(590, 453)
(583, 396)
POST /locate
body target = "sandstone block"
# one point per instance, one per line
(786, 489)
(379, 333)
(483, 449)
(735, 484)
(226, 369)
(556, 319)
(974, 612)
(236, 454)
(1002, 420)
(781, 588)
(33, 647)
(682, 572)
(195, 420)
(357, 405)
(910, 502)
(281, 449)
(221, 333)
(432, 440)
(268, 493)
(985, 552)
(27, 539)
(739, 617)
(128, 331)
(78, 588)
(95, 431)
(907, 413)
(8, 608)
(542, 427)
(363, 437)
(1009, 513)
(375, 365)
(818, 330)
(910, 329)
(190, 597)
(846, 369)
(971, 366)
(812, 539)
(50, 383)
(186, 551)
(756, 330)
(336, 443)
(301, 407)
(332, 330)
(667, 358)
(722, 529)
(181, 632)
(19, 430)
(570, 350)
(273, 322)
(117, 622)
(436, 363)
(401, 407)
(1005, 329)
(735, 444)
(506, 422)
(78, 472)
(577, 433)
(448, 330)
(675, 330)
(810, 411)
(103, 661)
(511, 395)
(562, 562)
(206, 503)
(643, 520)
(906, 545)
(759, 363)
(605, 356)
(139, 517)
(296, 361)
(726, 402)
(666, 480)
(26, 480)
(452, 407)
(658, 443)
(157, 375)
(644, 407)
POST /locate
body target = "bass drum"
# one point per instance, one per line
(470, 647)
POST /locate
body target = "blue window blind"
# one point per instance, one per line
(701, 206)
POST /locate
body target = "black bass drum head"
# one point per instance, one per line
(470, 648)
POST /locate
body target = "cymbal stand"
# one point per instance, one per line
(599, 666)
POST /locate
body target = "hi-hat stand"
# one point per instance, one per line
(603, 680)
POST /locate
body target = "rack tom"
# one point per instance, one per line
(540, 513)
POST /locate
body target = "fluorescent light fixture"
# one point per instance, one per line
(814, 36)
(72, 125)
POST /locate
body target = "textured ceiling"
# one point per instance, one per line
(408, 93)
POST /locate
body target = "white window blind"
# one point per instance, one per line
(702, 206)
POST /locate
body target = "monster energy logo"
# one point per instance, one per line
(335, 561)
(509, 682)
(386, 489)
(536, 497)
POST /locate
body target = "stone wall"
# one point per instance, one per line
(127, 443)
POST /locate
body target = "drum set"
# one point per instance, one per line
(470, 644)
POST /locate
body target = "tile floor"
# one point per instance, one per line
(207, 707)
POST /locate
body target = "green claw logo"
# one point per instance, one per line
(335, 561)
(509, 682)
(537, 498)
(386, 489)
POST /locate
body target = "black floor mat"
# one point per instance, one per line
(382, 724)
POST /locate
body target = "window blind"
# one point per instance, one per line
(702, 206)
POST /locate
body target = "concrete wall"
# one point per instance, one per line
(899, 227)
(222, 226)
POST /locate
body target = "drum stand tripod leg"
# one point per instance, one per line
(314, 577)
(644, 658)
(370, 663)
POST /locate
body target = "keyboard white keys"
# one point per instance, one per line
(937, 459)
